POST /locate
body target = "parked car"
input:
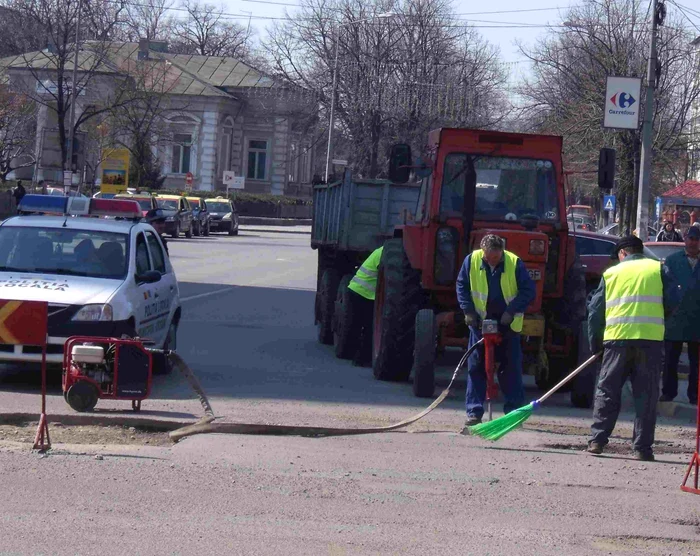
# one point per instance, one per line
(146, 202)
(661, 249)
(581, 222)
(223, 216)
(178, 214)
(59, 192)
(101, 195)
(594, 250)
(614, 230)
(581, 210)
(200, 215)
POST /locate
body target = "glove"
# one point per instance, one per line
(471, 319)
(506, 319)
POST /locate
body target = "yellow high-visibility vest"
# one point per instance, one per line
(480, 285)
(634, 301)
(364, 282)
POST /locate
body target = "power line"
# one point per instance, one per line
(685, 14)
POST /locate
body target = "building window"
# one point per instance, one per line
(257, 159)
(182, 152)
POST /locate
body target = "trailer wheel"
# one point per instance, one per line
(399, 297)
(584, 384)
(329, 288)
(424, 354)
(344, 329)
(82, 396)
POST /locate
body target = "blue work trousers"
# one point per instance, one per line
(509, 354)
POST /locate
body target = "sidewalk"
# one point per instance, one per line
(305, 230)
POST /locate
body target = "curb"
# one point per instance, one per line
(677, 410)
(265, 221)
(273, 231)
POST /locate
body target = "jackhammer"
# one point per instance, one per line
(492, 338)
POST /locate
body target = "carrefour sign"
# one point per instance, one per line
(622, 106)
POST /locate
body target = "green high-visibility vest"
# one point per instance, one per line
(634, 301)
(364, 282)
(480, 285)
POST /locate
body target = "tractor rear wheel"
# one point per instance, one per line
(344, 329)
(327, 293)
(424, 354)
(399, 297)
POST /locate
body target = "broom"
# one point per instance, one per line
(493, 430)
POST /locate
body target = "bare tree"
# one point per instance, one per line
(397, 76)
(17, 124)
(148, 19)
(205, 31)
(565, 93)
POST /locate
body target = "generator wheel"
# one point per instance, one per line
(584, 384)
(327, 293)
(344, 329)
(399, 297)
(82, 396)
(424, 354)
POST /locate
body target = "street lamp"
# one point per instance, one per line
(331, 122)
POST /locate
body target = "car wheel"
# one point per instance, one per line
(188, 233)
(207, 231)
(161, 363)
(197, 229)
(176, 233)
(232, 232)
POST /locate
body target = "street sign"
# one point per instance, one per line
(237, 183)
(189, 179)
(622, 105)
(609, 203)
(67, 178)
(228, 177)
(339, 162)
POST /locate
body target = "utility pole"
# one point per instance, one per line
(658, 12)
(74, 92)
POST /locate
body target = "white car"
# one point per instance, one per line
(103, 276)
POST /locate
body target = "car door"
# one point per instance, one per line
(147, 295)
(165, 291)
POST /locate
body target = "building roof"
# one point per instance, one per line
(183, 74)
(689, 189)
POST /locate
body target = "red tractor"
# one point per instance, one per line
(474, 183)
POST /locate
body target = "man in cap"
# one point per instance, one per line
(156, 218)
(626, 320)
(682, 326)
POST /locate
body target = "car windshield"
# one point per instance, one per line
(506, 188)
(194, 203)
(167, 203)
(219, 206)
(91, 253)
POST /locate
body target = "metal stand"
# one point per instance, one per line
(42, 441)
(695, 461)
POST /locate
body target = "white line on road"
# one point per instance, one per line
(207, 294)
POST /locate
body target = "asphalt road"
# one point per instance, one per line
(247, 331)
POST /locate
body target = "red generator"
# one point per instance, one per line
(106, 368)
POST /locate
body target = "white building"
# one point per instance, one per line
(222, 115)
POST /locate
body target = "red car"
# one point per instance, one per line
(662, 249)
(594, 251)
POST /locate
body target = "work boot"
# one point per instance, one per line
(470, 422)
(644, 455)
(595, 448)
(665, 398)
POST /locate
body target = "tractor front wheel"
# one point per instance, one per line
(399, 297)
(424, 354)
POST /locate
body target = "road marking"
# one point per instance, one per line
(207, 294)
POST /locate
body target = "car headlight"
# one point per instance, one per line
(170, 219)
(227, 216)
(95, 312)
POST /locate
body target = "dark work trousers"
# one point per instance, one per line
(362, 310)
(640, 361)
(509, 354)
(670, 381)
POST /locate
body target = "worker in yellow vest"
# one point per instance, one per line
(494, 284)
(363, 288)
(626, 320)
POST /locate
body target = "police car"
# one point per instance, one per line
(101, 269)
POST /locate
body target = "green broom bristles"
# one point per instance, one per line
(493, 430)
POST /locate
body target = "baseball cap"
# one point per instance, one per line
(624, 243)
(693, 232)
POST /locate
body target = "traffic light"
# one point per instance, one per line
(606, 168)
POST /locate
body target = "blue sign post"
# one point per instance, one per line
(609, 203)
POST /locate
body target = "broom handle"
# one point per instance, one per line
(571, 375)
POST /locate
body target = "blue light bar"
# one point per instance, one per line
(53, 204)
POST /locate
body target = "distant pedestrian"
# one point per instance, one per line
(156, 218)
(669, 233)
(626, 320)
(682, 327)
(19, 192)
